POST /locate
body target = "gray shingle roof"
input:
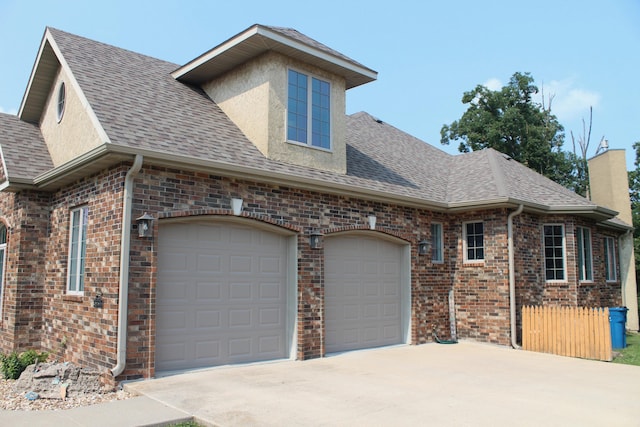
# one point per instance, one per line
(24, 151)
(142, 107)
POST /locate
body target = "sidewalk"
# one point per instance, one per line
(137, 411)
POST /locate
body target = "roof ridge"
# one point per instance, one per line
(496, 171)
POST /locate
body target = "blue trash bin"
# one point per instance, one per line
(618, 321)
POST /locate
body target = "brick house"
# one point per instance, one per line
(346, 233)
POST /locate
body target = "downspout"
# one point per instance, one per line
(512, 275)
(125, 240)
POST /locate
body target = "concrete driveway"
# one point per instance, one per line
(466, 384)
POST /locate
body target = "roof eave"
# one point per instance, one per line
(108, 154)
(42, 75)
(256, 40)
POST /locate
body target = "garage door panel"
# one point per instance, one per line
(370, 268)
(370, 290)
(208, 291)
(207, 349)
(207, 319)
(362, 293)
(391, 290)
(174, 352)
(269, 345)
(270, 292)
(350, 312)
(240, 318)
(371, 312)
(175, 320)
(270, 317)
(240, 348)
(224, 300)
(270, 265)
(178, 290)
(240, 264)
(240, 292)
(391, 310)
(208, 263)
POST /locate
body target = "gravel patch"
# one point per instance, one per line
(13, 400)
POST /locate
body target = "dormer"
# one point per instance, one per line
(285, 91)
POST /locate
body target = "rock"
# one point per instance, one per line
(59, 380)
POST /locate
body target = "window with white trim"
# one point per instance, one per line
(585, 266)
(62, 99)
(77, 251)
(610, 259)
(437, 248)
(554, 259)
(3, 255)
(473, 241)
(308, 110)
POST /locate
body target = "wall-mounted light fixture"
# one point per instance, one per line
(424, 247)
(372, 222)
(144, 225)
(315, 240)
(97, 300)
(236, 206)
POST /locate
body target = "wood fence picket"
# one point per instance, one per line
(567, 331)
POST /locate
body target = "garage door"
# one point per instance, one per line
(222, 295)
(363, 293)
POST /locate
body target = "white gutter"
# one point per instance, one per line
(512, 275)
(123, 295)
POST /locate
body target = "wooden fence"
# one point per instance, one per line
(567, 331)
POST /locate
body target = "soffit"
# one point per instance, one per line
(42, 77)
(259, 39)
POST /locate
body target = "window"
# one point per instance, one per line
(3, 251)
(308, 122)
(610, 259)
(554, 264)
(77, 250)
(436, 243)
(62, 96)
(585, 272)
(474, 241)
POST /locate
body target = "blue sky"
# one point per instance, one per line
(427, 53)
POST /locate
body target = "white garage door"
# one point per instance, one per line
(363, 293)
(222, 295)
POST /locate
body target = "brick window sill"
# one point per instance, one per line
(72, 298)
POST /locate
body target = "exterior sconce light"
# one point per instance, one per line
(424, 246)
(97, 300)
(236, 206)
(372, 222)
(315, 240)
(144, 225)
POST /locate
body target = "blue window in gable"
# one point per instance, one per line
(308, 122)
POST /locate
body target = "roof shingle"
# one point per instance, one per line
(141, 106)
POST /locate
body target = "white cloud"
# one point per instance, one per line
(12, 111)
(568, 102)
(493, 84)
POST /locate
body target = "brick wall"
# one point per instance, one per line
(73, 329)
(482, 288)
(38, 313)
(26, 216)
(167, 192)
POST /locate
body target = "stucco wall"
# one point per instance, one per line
(254, 96)
(75, 134)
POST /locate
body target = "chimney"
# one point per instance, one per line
(610, 188)
(609, 183)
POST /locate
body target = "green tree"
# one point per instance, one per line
(510, 121)
(634, 195)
